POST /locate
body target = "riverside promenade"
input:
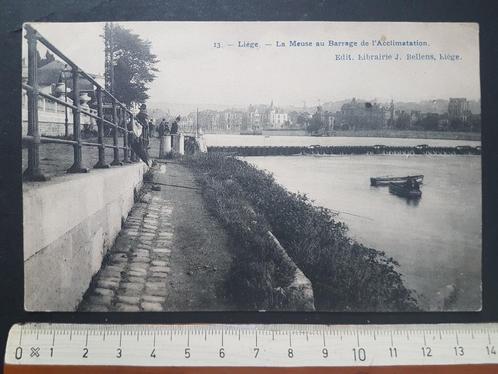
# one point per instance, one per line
(170, 255)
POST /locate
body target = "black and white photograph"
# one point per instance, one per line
(251, 166)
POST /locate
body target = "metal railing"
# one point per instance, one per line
(122, 119)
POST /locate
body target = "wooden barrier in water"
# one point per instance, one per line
(343, 150)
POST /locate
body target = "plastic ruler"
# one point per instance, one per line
(319, 348)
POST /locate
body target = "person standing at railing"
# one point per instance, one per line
(139, 134)
(177, 139)
(174, 126)
(163, 128)
(151, 128)
(142, 117)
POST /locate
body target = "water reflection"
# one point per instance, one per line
(411, 202)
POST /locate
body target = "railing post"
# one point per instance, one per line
(33, 172)
(100, 128)
(131, 139)
(76, 167)
(142, 140)
(125, 139)
(66, 121)
(115, 161)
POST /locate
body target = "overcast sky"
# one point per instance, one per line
(193, 72)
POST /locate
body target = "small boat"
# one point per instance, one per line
(387, 180)
(410, 189)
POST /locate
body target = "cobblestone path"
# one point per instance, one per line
(137, 275)
(133, 279)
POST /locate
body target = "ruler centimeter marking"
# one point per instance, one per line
(252, 345)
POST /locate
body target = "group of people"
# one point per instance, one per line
(140, 142)
(164, 129)
(149, 127)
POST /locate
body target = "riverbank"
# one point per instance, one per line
(346, 275)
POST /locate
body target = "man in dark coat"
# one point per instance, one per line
(151, 128)
(174, 126)
(142, 118)
(136, 143)
(163, 128)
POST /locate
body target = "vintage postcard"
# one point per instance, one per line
(255, 166)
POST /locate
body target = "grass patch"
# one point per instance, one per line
(346, 275)
(258, 273)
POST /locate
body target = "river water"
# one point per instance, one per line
(436, 241)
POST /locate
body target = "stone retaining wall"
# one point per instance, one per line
(69, 224)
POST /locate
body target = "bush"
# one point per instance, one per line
(346, 275)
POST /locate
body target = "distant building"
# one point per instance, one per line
(255, 118)
(264, 116)
(358, 115)
(209, 120)
(458, 109)
(299, 120)
(276, 118)
(231, 121)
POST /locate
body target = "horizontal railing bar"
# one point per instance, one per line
(27, 87)
(27, 139)
(115, 125)
(114, 146)
(110, 123)
(90, 144)
(44, 139)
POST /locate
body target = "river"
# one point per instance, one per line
(436, 241)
